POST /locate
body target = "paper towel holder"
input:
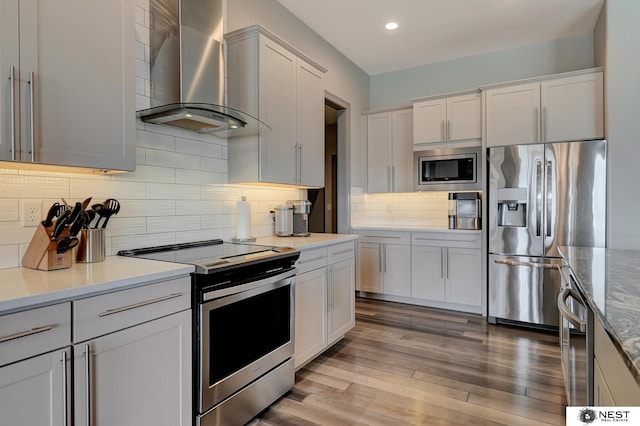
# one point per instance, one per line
(243, 213)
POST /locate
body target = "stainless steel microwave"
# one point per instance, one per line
(448, 169)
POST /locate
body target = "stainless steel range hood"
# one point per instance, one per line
(187, 70)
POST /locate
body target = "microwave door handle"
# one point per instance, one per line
(538, 200)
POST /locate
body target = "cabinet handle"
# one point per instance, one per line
(313, 259)
(380, 257)
(12, 77)
(300, 163)
(87, 382)
(342, 251)
(442, 131)
(441, 262)
(26, 333)
(448, 129)
(393, 178)
(537, 120)
(384, 263)
(380, 236)
(32, 125)
(65, 422)
(448, 266)
(329, 289)
(139, 304)
(544, 124)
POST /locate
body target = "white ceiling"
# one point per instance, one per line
(439, 30)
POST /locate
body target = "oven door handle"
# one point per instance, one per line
(216, 294)
(566, 312)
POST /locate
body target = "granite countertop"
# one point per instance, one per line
(306, 243)
(24, 288)
(611, 281)
(415, 228)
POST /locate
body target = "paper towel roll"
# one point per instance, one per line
(243, 220)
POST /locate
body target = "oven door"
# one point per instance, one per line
(245, 332)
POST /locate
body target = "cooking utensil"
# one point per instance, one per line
(61, 223)
(91, 214)
(85, 203)
(97, 208)
(66, 243)
(78, 224)
(111, 207)
(53, 212)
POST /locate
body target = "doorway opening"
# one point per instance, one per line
(330, 205)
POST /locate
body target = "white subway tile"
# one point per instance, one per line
(9, 210)
(139, 241)
(197, 147)
(198, 207)
(214, 164)
(17, 186)
(146, 173)
(172, 223)
(100, 190)
(10, 256)
(172, 159)
(155, 140)
(165, 191)
(122, 226)
(199, 235)
(197, 177)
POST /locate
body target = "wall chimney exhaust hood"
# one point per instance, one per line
(187, 70)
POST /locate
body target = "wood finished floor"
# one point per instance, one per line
(410, 365)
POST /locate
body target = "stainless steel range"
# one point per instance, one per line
(243, 306)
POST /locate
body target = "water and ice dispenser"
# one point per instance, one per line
(512, 207)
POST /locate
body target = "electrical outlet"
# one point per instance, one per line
(31, 213)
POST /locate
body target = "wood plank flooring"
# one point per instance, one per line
(410, 365)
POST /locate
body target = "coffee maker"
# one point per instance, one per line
(301, 210)
(464, 210)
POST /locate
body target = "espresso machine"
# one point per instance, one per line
(301, 210)
(464, 210)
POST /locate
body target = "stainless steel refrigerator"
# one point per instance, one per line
(540, 196)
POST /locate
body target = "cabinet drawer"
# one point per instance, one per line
(385, 237)
(446, 239)
(99, 315)
(312, 259)
(33, 332)
(340, 252)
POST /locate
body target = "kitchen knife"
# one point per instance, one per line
(85, 203)
(53, 212)
(75, 212)
(61, 223)
(78, 224)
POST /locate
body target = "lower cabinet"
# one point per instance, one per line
(447, 268)
(439, 269)
(613, 384)
(384, 260)
(324, 299)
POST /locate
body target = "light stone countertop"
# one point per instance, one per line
(413, 228)
(24, 288)
(610, 280)
(306, 243)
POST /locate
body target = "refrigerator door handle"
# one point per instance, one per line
(538, 197)
(549, 196)
(512, 262)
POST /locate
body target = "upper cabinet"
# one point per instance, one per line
(68, 83)
(558, 109)
(389, 151)
(447, 119)
(271, 80)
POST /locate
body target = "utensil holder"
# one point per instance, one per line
(91, 246)
(42, 252)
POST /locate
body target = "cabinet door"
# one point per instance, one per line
(379, 153)
(310, 125)
(397, 270)
(311, 315)
(83, 86)
(277, 98)
(9, 60)
(137, 376)
(427, 273)
(572, 108)
(36, 391)
(601, 394)
(463, 276)
(463, 117)
(402, 151)
(513, 114)
(370, 261)
(341, 298)
(429, 121)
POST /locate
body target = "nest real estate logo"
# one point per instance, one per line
(580, 416)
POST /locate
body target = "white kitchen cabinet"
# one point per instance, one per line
(132, 356)
(564, 108)
(446, 119)
(271, 80)
(35, 366)
(67, 101)
(384, 259)
(446, 270)
(325, 299)
(389, 151)
(614, 384)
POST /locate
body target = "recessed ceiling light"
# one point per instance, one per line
(391, 26)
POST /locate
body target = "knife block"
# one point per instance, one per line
(42, 251)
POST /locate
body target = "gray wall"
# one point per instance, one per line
(397, 87)
(622, 93)
(343, 79)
